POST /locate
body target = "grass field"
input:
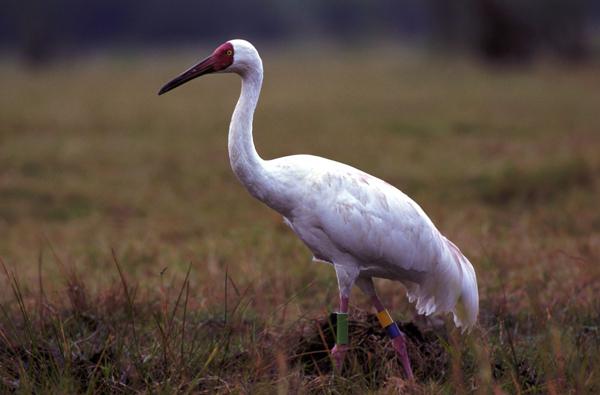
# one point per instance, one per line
(109, 194)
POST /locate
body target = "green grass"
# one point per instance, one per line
(505, 162)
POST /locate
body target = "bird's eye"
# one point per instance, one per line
(229, 52)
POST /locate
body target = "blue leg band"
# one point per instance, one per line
(392, 330)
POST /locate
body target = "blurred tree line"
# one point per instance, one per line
(494, 29)
(517, 30)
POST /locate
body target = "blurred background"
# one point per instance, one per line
(497, 30)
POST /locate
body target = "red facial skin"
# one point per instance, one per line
(223, 56)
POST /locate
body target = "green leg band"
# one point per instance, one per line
(341, 328)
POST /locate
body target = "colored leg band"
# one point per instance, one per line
(384, 318)
(393, 331)
(388, 324)
(341, 328)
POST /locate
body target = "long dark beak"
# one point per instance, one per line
(204, 67)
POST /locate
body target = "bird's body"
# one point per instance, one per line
(349, 218)
(360, 224)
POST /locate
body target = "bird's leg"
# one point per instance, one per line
(385, 320)
(338, 353)
(395, 334)
(346, 276)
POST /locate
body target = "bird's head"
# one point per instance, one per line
(234, 56)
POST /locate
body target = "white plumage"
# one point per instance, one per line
(362, 225)
(368, 228)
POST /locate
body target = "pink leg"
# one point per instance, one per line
(338, 353)
(398, 342)
(346, 275)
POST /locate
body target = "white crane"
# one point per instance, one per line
(360, 224)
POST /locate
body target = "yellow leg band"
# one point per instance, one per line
(384, 318)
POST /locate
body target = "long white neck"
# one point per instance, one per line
(245, 161)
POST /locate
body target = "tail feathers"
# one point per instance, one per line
(467, 305)
(450, 288)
